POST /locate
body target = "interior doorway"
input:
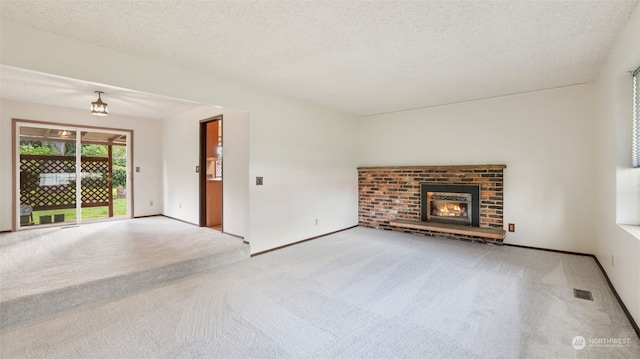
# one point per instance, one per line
(211, 181)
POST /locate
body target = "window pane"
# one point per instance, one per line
(636, 118)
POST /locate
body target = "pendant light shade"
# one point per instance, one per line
(98, 107)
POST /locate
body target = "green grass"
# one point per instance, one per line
(119, 209)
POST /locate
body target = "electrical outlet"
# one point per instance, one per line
(180, 205)
(137, 169)
(612, 263)
(259, 181)
(316, 221)
(512, 227)
(151, 203)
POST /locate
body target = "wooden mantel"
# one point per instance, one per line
(435, 167)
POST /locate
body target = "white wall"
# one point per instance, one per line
(235, 188)
(618, 195)
(307, 160)
(545, 138)
(147, 144)
(305, 155)
(304, 152)
(181, 156)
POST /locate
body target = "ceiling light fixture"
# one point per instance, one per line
(99, 108)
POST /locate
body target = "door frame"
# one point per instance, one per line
(15, 173)
(203, 170)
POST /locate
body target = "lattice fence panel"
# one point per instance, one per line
(95, 181)
(48, 182)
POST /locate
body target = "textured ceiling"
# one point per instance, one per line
(362, 57)
(28, 86)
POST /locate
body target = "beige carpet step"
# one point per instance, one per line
(45, 271)
(34, 306)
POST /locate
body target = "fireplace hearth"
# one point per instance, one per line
(450, 204)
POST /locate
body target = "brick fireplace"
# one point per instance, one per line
(389, 195)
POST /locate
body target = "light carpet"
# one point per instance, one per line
(46, 270)
(360, 293)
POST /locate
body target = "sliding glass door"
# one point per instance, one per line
(67, 175)
(104, 175)
(47, 175)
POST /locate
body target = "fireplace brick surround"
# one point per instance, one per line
(389, 194)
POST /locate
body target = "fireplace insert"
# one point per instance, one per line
(452, 204)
